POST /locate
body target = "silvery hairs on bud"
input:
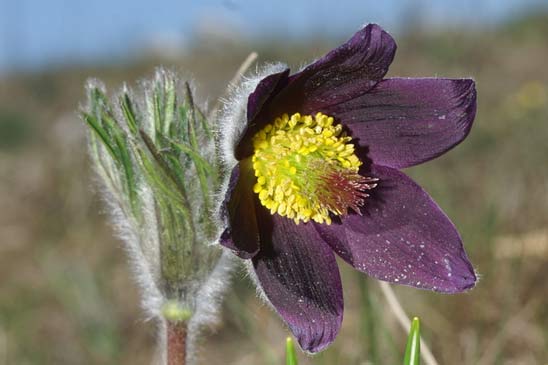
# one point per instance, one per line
(157, 161)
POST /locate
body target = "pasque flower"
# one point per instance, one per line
(315, 173)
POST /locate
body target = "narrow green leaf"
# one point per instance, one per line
(129, 114)
(162, 183)
(182, 133)
(191, 117)
(205, 123)
(101, 133)
(290, 353)
(98, 95)
(196, 158)
(157, 97)
(120, 139)
(413, 349)
(169, 106)
(200, 170)
(164, 166)
(98, 101)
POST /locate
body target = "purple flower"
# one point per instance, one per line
(317, 175)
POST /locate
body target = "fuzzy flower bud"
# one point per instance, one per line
(154, 153)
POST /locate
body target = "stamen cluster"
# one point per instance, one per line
(306, 169)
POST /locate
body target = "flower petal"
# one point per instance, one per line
(404, 122)
(242, 234)
(266, 88)
(298, 272)
(344, 73)
(403, 237)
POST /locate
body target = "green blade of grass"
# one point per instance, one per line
(290, 353)
(413, 348)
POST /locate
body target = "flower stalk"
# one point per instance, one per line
(176, 342)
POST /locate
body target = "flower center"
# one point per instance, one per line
(306, 169)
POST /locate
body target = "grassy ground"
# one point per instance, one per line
(66, 296)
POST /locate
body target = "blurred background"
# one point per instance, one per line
(66, 296)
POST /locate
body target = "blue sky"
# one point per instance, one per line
(38, 33)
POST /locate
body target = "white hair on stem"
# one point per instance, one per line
(209, 300)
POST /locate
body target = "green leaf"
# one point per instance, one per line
(113, 137)
(204, 122)
(200, 167)
(129, 114)
(157, 109)
(198, 160)
(290, 354)
(161, 183)
(101, 133)
(124, 156)
(169, 105)
(164, 166)
(413, 349)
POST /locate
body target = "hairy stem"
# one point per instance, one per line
(176, 342)
(404, 321)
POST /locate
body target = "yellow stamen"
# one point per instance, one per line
(300, 161)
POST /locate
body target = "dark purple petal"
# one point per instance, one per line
(264, 92)
(242, 234)
(404, 122)
(344, 73)
(266, 88)
(403, 237)
(298, 273)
